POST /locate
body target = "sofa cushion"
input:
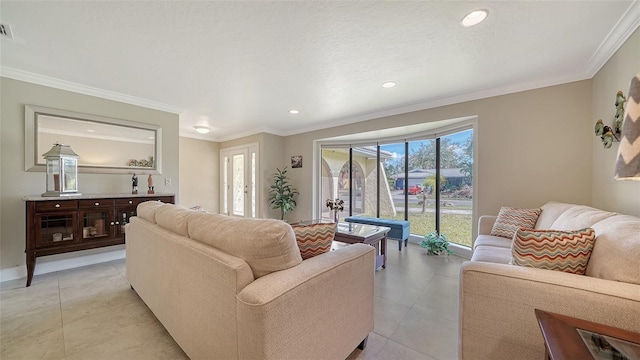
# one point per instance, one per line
(567, 251)
(511, 219)
(550, 213)
(147, 210)
(314, 239)
(616, 253)
(489, 240)
(579, 217)
(267, 245)
(173, 218)
(492, 254)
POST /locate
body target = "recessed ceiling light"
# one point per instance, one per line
(474, 18)
(91, 130)
(294, 111)
(202, 129)
(389, 84)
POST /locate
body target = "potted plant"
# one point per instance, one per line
(282, 194)
(436, 244)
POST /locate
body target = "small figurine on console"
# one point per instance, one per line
(134, 184)
(150, 184)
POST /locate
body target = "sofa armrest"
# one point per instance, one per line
(497, 303)
(322, 308)
(485, 224)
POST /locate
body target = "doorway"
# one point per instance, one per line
(238, 178)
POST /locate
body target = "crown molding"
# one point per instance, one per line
(621, 31)
(25, 76)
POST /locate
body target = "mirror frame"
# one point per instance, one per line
(31, 155)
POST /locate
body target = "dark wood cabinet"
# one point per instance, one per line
(65, 224)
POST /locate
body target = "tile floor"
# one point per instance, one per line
(92, 313)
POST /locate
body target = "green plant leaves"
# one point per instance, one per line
(282, 194)
(436, 244)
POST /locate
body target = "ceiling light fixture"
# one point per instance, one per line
(294, 111)
(389, 84)
(474, 18)
(202, 129)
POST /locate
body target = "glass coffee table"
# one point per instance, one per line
(376, 236)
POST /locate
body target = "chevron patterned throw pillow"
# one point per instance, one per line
(511, 219)
(567, 251)
(314, 239)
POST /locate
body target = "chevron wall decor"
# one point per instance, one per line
(628, 163)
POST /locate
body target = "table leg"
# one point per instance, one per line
(383, 250)
(31, 265)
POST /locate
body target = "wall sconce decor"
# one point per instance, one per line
(628, 164)
(62, 171)
(606, 133)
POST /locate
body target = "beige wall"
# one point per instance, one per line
(533, 146)
(199, 174)
(616, 74)
(16, 183)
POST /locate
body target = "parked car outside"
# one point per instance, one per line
(414, 189)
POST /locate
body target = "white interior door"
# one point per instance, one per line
(239, 175)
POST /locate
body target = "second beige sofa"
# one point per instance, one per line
(497, 300)
(228, 288)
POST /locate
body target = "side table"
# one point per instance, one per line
(376, 236)
(566, 337)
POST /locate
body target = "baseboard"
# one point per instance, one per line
(48, 264)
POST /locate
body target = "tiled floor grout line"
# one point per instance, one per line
(64, 343)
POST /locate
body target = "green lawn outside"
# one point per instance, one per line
(457, 227)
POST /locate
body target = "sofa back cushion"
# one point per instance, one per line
(550, 213)
(147, 210)
(267, 245)
(579, 217)
(173, 218)
(616, 253)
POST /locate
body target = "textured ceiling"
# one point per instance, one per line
(239, 67)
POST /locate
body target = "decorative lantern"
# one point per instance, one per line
(62, 171)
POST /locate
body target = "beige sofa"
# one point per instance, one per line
(497, 300)
(228, 288)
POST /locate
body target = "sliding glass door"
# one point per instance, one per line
(426, 181)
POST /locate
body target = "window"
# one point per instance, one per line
(427, 181)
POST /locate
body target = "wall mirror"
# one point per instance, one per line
(105, 145)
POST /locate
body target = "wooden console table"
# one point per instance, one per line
(56, 225)
(563, 340)
(376, 236)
